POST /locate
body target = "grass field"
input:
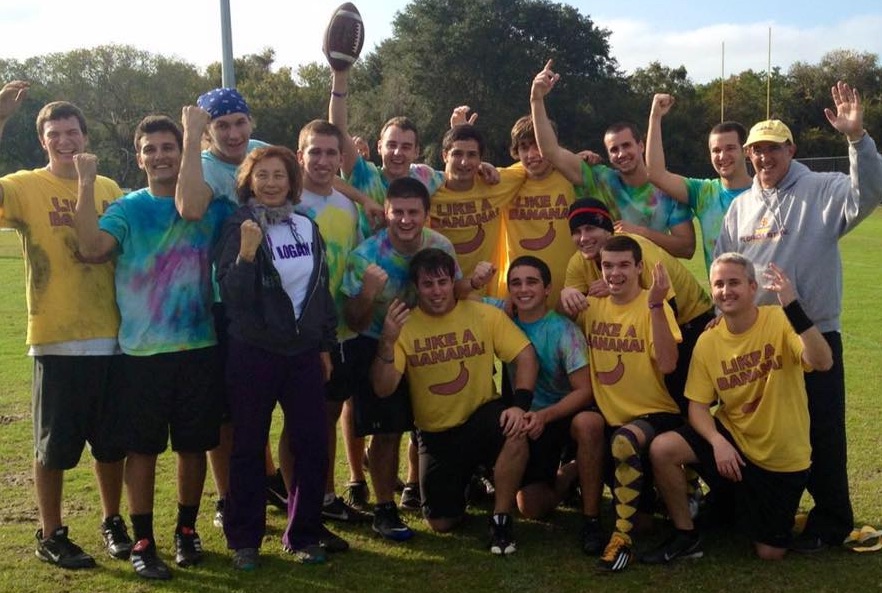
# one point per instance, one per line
(547, 560)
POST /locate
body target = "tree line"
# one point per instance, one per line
(443, 53)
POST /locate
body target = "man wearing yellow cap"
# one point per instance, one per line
(794, 217)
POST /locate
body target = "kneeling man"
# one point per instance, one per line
(446, 349)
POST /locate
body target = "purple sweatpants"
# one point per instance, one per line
(256, 380)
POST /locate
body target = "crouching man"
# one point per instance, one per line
(446, 349)
(754, 451)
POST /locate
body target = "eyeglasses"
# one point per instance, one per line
(766, 149)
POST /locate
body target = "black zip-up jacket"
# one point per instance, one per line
(259, 309)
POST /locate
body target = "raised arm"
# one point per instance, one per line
(359, 309)
(93, 244)
(385, 375)
(672, 184)
(663, 343)
(816, 351)
(192, 194)
(11, 97)
(339, 116)
(568, 163)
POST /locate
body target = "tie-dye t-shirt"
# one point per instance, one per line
(645, 205)
(561, 349)
(710, 201)
(163, 272)
(367, 178)
(379, 250)
(221, 175)
(337, 219)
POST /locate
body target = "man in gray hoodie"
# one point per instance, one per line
(794, 217)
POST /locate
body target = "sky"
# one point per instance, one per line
(674, 32)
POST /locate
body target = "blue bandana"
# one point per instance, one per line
(222, 101)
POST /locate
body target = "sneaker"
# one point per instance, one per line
(502, 541)
(57, 549)
(276, 492)
(806, 543)
(357, 495)
(617, 555)
(219, 513)
(338, 510)
(411, 499)
(188, 547)
(147, 564)
(680, 544)
(388, 524)
(116, 537)
(312, 554)
(246, 559)
(591, 537)
(332, 543)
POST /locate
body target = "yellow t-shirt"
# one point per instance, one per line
(536, 224)
(625, 378)
(448, 361)
(758, 378)
(472, 220)
(67, 298)
(692, 299)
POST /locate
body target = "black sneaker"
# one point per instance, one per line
(502, 541)
(331, 542)
(57, 549)
(188, 547)
(591, 537)
(617, 555)
(276, 492)
(411, 499)
(806, 543)
(147, 564)
(116, 537)
(679, 545)
(357, 495)
(338, 510)
(218, 520)
(388, 524)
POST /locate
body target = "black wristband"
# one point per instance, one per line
(523, 398)
(797, 317)
(386, 360)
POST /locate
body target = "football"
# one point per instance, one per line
(344, 37)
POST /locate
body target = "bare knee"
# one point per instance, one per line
(767, 552)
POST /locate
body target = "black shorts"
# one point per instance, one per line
(449, 458)
(763, 503)
(373, 414)
(341, 385)
(172, 394)
(546, 452)
(76, 400)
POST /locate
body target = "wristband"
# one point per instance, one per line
(338, 95)
(386, 360)
(797, 317)
(523, 398)
(656, 305)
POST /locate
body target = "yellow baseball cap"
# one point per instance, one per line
(770, 130)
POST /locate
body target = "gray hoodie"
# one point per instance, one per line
(797, 226)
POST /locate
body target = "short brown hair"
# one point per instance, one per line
(522, 130)
(60, 110)
(246, 170)
(320, 127)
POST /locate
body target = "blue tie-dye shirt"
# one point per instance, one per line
(560, 348)
(163, 272)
